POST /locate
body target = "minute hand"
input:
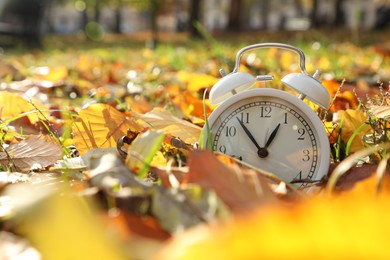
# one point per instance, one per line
(249, 134)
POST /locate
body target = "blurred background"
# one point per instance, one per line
(30, 20)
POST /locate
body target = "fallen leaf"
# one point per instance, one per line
(160, 119)
(12, 104)
(353, 119)
(240, 189)
(196, 81)
(51, 220)
(34, 152)
(100, 126)
(382, 112)
(350, 227)
(142, 151)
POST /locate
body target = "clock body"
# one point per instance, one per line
(273, 131)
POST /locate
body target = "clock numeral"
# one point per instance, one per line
(244, 117)
(265, 112)
(301, 132)
(298, 178)
(306, 155)
(231, 131)
(222, 149)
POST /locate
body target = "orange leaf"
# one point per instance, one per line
(100, 126)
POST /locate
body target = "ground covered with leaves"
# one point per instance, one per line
(100, 155)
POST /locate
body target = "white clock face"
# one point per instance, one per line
(274, 134)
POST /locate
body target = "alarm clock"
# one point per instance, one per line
(271, 129)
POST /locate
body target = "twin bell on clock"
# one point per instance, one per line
(268, 128)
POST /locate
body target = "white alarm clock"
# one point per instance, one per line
(271, 129)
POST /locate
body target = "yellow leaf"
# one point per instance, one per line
(66, 227)
(142, 151)
(286, 60)
(353, 119)
(324, 63)
(100, 126)
(160, 119)
(12, 104)
(340, 228)
(57, 74)
(196, 81)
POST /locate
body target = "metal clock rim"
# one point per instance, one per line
(324, 158)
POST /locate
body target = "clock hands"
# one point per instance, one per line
(262, 152)
(249, 134)
(272, 136)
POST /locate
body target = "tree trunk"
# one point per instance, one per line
(299, 7)
(118, 17)
(194, 18)
(234, 15)
(153, 23)
(97, 11)
(264, 13)
(339, 17)
(314, 14)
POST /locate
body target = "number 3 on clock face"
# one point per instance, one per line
(273, 131)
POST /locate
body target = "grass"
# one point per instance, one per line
(333, 52)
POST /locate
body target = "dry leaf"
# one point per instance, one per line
(100, 126)
(382, 112)
(196, 81)
(353, 119)
(141, 152)
(237, 187)
(160, 119)
(34, 152)
(12, 104)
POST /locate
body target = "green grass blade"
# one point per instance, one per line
(350, 140)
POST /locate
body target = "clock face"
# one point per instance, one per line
(273, 131)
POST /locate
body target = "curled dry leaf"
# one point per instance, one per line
(160, 119)
(34, 152)
(100, 126)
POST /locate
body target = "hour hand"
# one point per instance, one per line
(272, 136)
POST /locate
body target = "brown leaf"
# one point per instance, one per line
(237, 187)
(353, 176)
(32, 152)
(126, 224)
(100, 126)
